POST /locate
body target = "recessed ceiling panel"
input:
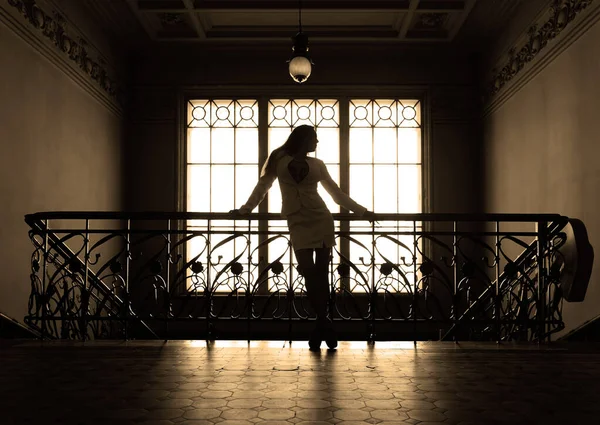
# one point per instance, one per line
(444, 4)
(352, 20)
(306, 4)
(309, 18)
(160, 4)
(172, 25)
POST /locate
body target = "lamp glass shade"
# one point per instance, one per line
(300, 68)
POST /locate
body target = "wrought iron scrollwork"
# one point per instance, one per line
(153, 282)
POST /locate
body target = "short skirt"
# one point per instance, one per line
(311, 229)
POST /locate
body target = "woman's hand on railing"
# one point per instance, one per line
(238, 212)
(370, 216)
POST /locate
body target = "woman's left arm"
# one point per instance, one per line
(337, 194)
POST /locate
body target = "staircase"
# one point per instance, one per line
(96, 306)
(570, 271)
(12, 329)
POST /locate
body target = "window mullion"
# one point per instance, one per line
(344, 176)
(263, 153)
(344, 145)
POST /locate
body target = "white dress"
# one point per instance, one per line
(309, 220)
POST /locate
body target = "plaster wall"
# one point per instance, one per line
(541, 151)
(60, 150)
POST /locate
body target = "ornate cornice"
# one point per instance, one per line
(54, 28)
(562, 12)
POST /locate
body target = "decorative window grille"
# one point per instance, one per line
(383, 168)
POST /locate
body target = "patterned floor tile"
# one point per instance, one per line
(229, 383)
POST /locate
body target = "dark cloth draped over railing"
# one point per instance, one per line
(210, 275)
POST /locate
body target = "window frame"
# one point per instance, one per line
(262, 94)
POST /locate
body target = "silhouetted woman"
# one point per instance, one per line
(309, 221)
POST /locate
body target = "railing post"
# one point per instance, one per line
(290, 299)
(455, 279)
(127, 300)
(415, 287)
(86, 256)
(373, 296)
(249, 296)
(209, 284)
(542, 229)
(45, 299)
(497, 309)
(168, 279)
(331, 288)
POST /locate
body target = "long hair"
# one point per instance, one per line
(297, 139)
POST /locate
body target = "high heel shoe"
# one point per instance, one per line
(330, 335)
(314, 342)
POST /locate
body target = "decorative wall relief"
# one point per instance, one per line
(53, 27)
(562, 12)
(431, 21)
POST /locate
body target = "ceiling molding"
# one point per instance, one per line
(538, 36)
(69, 49)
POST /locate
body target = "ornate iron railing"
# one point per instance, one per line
(408, 276)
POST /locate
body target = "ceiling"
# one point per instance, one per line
(135, 22)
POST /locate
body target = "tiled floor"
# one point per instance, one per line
(236, 383)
